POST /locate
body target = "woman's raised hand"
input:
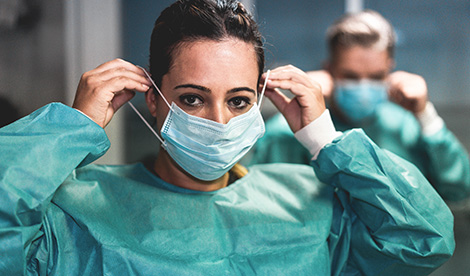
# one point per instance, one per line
(306, 105)
(103, 90)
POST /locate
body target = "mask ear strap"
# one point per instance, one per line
(140, 115)
(146, 123)
(264, 88)
(155, 86)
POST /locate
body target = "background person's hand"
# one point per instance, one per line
(308, 102)
(103, 90)
(408, 90)
(325, 80)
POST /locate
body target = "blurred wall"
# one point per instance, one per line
(45, 46)
(32, 54)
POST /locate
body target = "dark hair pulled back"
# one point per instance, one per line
(192, 20)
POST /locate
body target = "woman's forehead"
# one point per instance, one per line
(224, 60)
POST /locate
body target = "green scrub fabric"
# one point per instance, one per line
(358, 211)
(440, 157)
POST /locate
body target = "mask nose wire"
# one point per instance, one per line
(264, 88)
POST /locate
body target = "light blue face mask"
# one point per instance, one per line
(204, 148)
(358, 100)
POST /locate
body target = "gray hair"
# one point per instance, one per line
(366, 29)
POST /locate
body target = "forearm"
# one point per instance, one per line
(402, 222)
(390, 205)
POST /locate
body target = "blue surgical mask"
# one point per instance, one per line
(358, 100)
(204, 148)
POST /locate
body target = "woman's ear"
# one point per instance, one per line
(151, 101)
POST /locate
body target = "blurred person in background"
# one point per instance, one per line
(392, 108)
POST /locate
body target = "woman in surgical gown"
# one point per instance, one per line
(356, 210)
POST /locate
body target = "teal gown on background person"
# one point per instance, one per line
(440, 157)
(358, 211)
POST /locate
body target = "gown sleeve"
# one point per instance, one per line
(388, 219)
(448, 165)
(38, 152)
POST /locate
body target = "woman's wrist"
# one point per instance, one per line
(317, 134)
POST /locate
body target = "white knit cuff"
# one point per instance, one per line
(429, 120)
(317, 134)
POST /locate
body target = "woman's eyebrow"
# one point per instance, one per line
(207, 90)
(198, 87)
(238, 89)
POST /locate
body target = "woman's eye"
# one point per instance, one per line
(191, 100)
(239, 102)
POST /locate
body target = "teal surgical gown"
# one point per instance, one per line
(440, 157)
(359, 211)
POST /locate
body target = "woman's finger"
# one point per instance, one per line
(308, 103)
(95, 97)
(120, 83)
(122, 72)
(307, 97)
(121, 98)
(293, 74)
(288, 108)
(298, 89)
(278, 98)
(116, 63)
